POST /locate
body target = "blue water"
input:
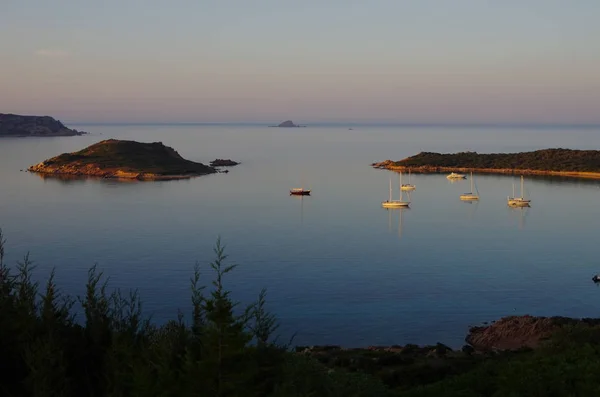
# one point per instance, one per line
(338, 268)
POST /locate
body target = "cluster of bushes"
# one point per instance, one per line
(541, 160)
(223, 350)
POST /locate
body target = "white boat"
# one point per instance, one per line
(395, 203)
(454, 175)
(518, 201)
(406, 186)
(470, 196)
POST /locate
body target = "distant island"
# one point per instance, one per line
(559, 162)
(14, 125)
(223, 163)
(287, 124)
(123, 159)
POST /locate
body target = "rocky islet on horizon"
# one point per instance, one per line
(287, 124)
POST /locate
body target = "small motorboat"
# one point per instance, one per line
(298, 191)
(454, 175)
(596, 278)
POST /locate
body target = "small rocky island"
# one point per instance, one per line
(287, 124)
(223, 163)
(114, 158)
(14, 125)
(558, 162)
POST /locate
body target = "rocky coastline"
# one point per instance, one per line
(390, 165)
(508, 334)
(14, 125)
(545, 162)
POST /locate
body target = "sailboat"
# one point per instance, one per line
(395, 203)
(470, 196)
(518, 201)
(406, 186)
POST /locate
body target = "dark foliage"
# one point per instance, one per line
(131, 156)
(228, 350)
(114, 351)
(541, 160)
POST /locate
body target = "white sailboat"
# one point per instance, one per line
(518, 201)
(454, 175)
(406, 186)
(395, 203)
(470, 196)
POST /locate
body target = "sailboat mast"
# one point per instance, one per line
(390, 190)
(400, 186)
(471, 181)
(513, 189)
(522, 196)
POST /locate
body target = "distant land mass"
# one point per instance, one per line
(559, 162)
(114, 158)
(287, 124)
(14, 125)
(223, 163)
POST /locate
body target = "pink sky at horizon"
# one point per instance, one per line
(535, 62)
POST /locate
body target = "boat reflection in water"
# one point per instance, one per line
(521, 212)
(400, 211)
(300, 197)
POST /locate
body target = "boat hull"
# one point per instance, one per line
(519, 203)
(299, 192)
(469, 197)
(395, 204)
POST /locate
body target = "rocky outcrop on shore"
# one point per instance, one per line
(14, 125)
(124, 159)
(223, 163)
(517, 332)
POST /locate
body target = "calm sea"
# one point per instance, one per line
(338, 268)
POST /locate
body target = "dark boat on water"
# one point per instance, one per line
(299, 192)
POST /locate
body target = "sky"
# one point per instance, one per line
(421, 61)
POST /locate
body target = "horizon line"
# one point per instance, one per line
(348, 124)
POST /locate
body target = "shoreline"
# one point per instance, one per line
(388, 165)
(509, 333)
(117, 175)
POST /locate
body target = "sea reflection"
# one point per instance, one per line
(80, 179)
(520, 213)
(393, 212)
(301, 199)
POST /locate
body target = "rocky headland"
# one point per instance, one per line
(123, 159)
(14, 125)
(548, 162)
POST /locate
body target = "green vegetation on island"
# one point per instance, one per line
(101, 344)
(123, 159)
(547, 161)
(14, 125)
